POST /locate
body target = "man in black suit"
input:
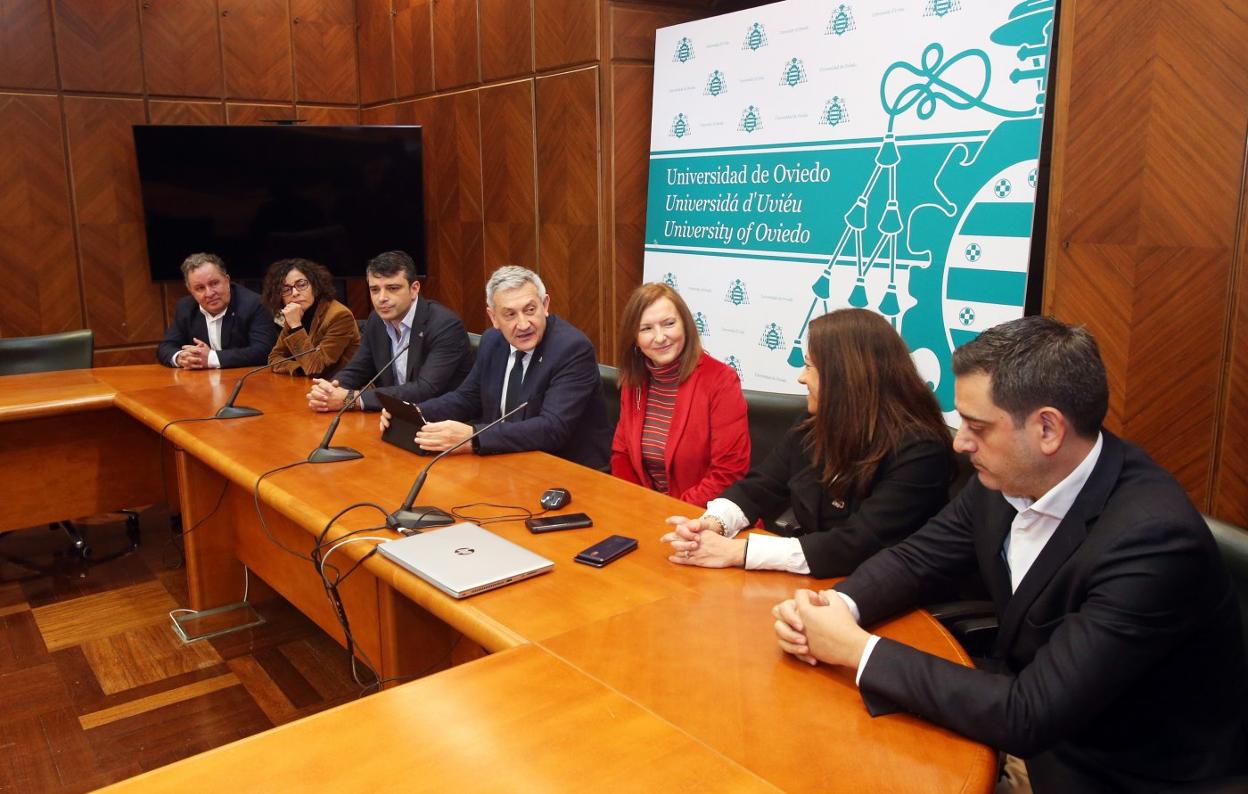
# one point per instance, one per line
(529, 356)
(437, 356)
(218, 324)
(1119, 662)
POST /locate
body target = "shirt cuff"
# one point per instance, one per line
(213, 361)
(866, 654)
(771, 553)
(173, 360)
(871, 641)
(728, 514)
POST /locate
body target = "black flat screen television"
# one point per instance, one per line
(253, 195)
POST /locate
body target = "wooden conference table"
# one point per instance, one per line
(641, 674)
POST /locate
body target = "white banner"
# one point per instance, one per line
(807, 156)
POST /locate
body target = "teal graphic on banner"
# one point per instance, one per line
(772, 338)
(834, 112)
(794, 73)
(755, 38)
(751, 120)
(919, 205)
(684, 51)
(680, 126)
(715, 84)
(842, 21)
(940, 8)
(699, 322)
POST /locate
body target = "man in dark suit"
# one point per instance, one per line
(1119, 662)
(437, 356)
(218, 324)
(529, 356)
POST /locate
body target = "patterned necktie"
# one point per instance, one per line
(514, 381)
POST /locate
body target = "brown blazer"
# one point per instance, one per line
(333, 328)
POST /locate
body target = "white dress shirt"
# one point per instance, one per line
(1030, 530)
(398, 338)
(214, 337)
(765, 552)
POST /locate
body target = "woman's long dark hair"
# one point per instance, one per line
(870, 396)
(318, 276)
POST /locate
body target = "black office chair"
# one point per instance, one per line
(54, 353)
(611, 392)
(48, 353)
(770, 417)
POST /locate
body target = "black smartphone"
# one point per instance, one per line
(556, 523)
(605, 551)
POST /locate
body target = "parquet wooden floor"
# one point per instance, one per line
(94, 685)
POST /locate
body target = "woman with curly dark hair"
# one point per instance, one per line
(300, 293)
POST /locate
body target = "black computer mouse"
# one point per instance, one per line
(556, 498)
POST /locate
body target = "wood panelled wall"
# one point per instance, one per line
(74, 76)
(1147, 225)
(525, 161)
(536, 117)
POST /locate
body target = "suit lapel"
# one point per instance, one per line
(1070, 534)
(416, 346)
(991, 562)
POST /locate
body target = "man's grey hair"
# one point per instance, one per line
(512, 277)
(196, 261)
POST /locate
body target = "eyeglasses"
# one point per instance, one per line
(298, 286)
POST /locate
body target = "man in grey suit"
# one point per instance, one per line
(1119, 661)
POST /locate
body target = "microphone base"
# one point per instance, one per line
(418, 518)
(333, 454)
(236, 412)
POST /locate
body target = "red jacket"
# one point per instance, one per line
(708, 447)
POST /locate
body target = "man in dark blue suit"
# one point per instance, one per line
(218, 324)
(425, 340)
(529, 356)
(1119, 662)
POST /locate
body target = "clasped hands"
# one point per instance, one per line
(194, 356)
(818, 627)
(696, 541)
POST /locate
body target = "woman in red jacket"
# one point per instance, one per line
(682, 428)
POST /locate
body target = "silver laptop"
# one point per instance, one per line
(464, 559)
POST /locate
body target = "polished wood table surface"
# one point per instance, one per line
(640, 674)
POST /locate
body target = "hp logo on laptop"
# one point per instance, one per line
(464, 551)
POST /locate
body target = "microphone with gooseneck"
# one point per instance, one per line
(327, 454)
(411, 520)
(232, 411)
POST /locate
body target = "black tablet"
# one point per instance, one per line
(405, 421)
